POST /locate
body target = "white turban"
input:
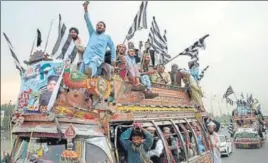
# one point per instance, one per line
(211, 124)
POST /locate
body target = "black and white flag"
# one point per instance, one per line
(15, 58)
(231, 128)
(202, 73)
(159, 44)
(193, 50)
(242, 96)
(250, 100)
(228, 92)
(229, 101)
(39, 38)
(140, 20)
(64, 47)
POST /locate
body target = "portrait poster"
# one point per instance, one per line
(37, 85)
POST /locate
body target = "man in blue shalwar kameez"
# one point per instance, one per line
(97, 45)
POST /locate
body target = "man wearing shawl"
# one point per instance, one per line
(193, 88)
(74, 32)
(215, 140)
(137, 148)
(94, 54)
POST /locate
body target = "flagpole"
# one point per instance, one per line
(33, 45)
(125, 39)
(48, 35)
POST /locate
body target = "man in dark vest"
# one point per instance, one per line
(175, 75)
(157, 147)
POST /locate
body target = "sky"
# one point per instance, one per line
(236, 49)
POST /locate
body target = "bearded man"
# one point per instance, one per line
(215, 140)
(175, 75)
(74, 32)
(95, 51)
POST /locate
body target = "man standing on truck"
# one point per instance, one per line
(137, 148)
(98, 42)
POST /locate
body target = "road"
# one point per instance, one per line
(247, 155)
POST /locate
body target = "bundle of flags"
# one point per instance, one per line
(202, 73)
(159, 44)
(226, 95)
(14, 56)
(140, 20)
(64, 47)
(193, 50)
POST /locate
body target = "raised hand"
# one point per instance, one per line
(85, 5)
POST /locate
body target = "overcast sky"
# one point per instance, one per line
(236, 49)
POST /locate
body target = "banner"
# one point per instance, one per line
(37, 86)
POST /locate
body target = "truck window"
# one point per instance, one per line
(95, 154)
(154, 153)
(40, 149)
(188, 136)
(173, 141)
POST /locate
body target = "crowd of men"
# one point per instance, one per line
(137, 66)
(142, 145)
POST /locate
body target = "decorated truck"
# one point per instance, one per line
(247, 138)
(64, 116)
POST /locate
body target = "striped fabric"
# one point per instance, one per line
(231, 129)
(159, 44)
(140, 20)
(16, 60)
(228, 92)
(242, 96)
(193, 50)
(64, 47)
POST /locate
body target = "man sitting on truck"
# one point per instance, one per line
(94, 54)
(160, 76)
(137, 148)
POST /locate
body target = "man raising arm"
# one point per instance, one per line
(95, 51)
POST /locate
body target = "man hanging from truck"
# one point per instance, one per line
(94, 54)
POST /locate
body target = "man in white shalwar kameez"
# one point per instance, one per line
(214, 137)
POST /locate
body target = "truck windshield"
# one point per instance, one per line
(41, 150)
(95, 150)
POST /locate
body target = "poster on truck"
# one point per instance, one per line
(37, 85)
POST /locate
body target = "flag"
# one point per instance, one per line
(250, 100)
(193, 50)
(140, 20)
(165, 37)
(242, 96)
(159, 44)
(202, 73)
(64, 48)
(15, 58)
(228, 92)
(39, 38)
(229, 101)
(231, 128)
